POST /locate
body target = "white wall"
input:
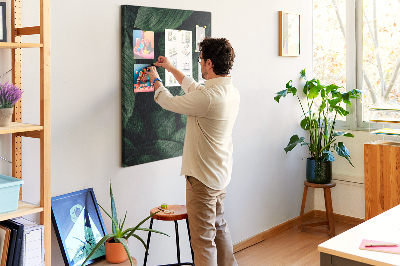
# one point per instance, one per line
(267, 184)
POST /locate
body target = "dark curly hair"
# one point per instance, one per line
(220, 52)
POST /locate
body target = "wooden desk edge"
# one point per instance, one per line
(351, 256)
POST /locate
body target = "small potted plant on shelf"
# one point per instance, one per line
(324, 105)
(9, 95)
(116, 243)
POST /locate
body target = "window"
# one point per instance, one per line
(329, 51)
(363, 54)
(381, 51)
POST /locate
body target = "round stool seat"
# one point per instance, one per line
(180, 213)
(308, 184)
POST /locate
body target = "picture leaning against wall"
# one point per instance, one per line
(78, 226)
(150, 133)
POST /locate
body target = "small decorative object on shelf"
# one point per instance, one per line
(9, 193)
(385, 114)
(9, 95)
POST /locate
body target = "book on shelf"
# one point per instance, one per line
(11, 245)
(26, 243)
(32, 250)
(385, 107)
(5, 234)
(386, 131)
(13, 260)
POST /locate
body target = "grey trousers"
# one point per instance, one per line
(210, 236)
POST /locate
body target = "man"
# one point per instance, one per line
(207, 154)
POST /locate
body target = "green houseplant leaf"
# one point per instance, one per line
(349, 135)
(345, 134)
(125, 245)
(328, 156)
(294, 140)
(283, 93)
(280, 94)
(140, 239)
(303, 73)
(305, 123)
(314, 92)
(343, 151)
(113, 211)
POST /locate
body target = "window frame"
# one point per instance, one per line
(354, 70)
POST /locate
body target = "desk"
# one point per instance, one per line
(344, 248)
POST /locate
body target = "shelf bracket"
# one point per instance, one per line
(28, 31)
(30, 134)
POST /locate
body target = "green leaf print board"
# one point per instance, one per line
(150, 133)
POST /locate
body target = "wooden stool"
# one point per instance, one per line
(180, 213)
(328, 207)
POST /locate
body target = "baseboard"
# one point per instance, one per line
(340, 218)
(271, 232)
(289, 224)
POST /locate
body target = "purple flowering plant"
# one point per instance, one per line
(9, 95)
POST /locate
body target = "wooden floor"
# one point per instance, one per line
(290, 247)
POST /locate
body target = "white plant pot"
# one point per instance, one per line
(5, 116)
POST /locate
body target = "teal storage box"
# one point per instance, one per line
(9, 193)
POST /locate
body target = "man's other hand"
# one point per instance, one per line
(165, 63)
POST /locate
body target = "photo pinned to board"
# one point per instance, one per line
(200, 35)
(143, 44)
(178, 49)
(142, 80)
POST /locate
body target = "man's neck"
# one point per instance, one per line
(212, 75)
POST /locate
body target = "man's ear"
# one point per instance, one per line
(209, 63)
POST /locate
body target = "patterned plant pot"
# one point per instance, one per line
(319, 172)
(5, 116)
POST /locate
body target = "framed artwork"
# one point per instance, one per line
(3, 28)
(289, 34)
(78, 226)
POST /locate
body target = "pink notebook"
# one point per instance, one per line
(393, 249)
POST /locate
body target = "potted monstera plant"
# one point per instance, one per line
(116, 243)
(324, 103)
